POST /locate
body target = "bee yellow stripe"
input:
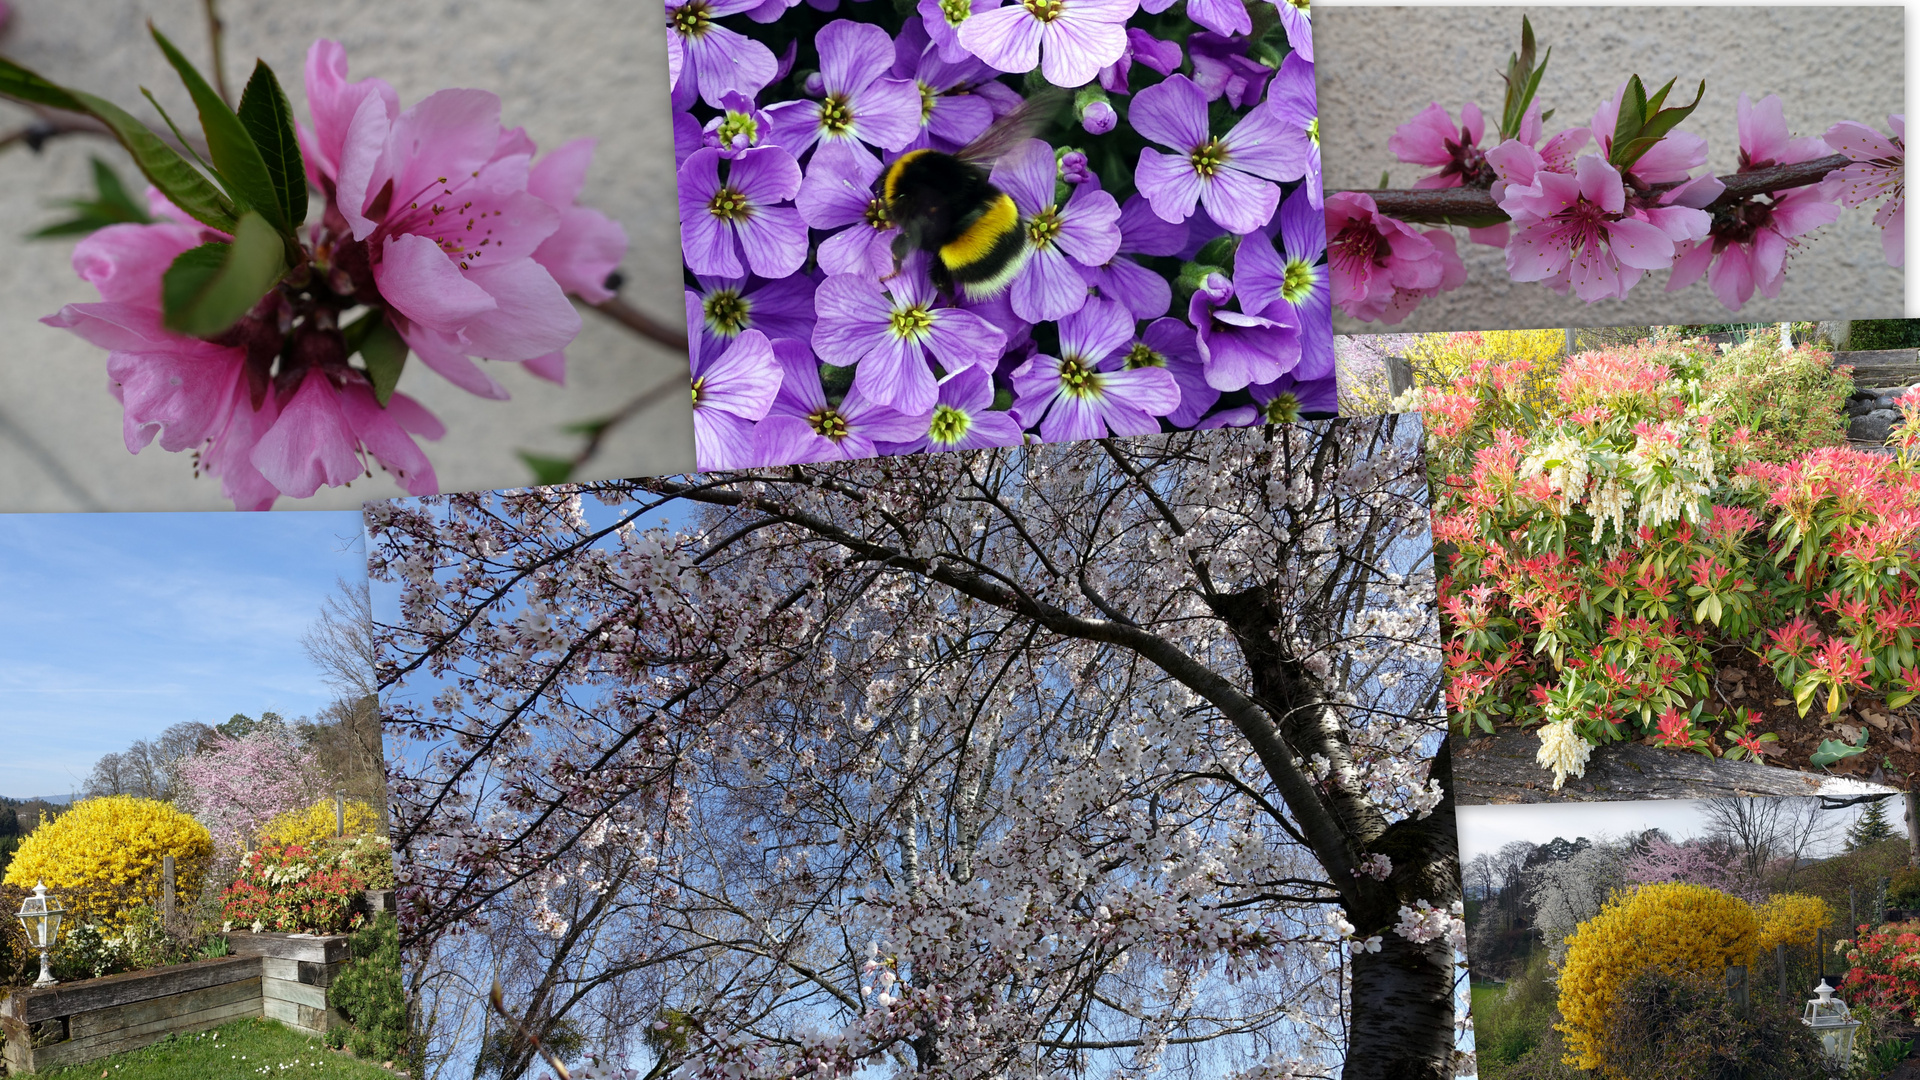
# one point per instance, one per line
(1000, 218)
(893, 171)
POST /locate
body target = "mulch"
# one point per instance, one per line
(1744, 681)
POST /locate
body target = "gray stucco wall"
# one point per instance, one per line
(564, 69)
(1378, 66)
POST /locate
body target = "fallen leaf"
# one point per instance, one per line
(1781, 701)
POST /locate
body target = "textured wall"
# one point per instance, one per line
(1378, 66)
(564, 69)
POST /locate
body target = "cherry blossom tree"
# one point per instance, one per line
(236, 785)
(1025, 762)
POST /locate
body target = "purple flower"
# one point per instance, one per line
(887, 334)
(964, 418)
(1171, 344)
(1085, 231)
(1161, 56)
(741, 127)
(1282, 401)
(1098, 117)
(1238, 349)
(1073, 399)
(1292, 97)
(1143, 292)
(732, 389)
(1074, 170)
(838, 194)
(1068, 40)
(1227, 17)
(1296, 17)
(715, 59)
(950, 114)
(1221, 69)
(1229, 175)
(860, 103)
(687, 137)
(802, 426)
(720, 222)
(782, 308)
(1292, 281)
(942, 20)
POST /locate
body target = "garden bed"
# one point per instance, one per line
(1502, 768)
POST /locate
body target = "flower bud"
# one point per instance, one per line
(1073, 167)
(1096, 113)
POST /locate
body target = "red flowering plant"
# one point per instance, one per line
(292, 888)
(1602, 542)
(1885, 972)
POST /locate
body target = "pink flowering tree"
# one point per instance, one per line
(1596, 207)
(1108, 753)
(237, 785)
(260, 304)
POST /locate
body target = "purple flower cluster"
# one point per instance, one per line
(1173, 273)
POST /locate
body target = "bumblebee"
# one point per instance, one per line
(947, 206)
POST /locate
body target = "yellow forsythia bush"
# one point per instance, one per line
(1442, 359)
(103, 856)
(1791, 919)
(315, 825)
(1672, 926)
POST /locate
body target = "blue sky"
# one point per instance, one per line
(115, 626)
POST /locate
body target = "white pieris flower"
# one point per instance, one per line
(1563, 750)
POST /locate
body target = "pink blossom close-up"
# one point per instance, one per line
(1381, 268)
(1878, 169)
(1575, 232)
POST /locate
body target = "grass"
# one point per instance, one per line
(251, 1047)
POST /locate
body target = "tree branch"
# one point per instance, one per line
(642, 323)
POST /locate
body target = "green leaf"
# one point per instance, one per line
(240, 168)
(384, 352)
(1832, 750)
(113, 207)
(1632, 114)
(209, 288)
(179, 181)
(547, 470)
(114, 194)
(269, 119)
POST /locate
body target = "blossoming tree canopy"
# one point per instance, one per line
(974, 727)
(901, 233)
(1598, 206)
(233, 324)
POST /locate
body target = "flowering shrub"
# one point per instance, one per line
(1886, 968)
(239, 785)
(1791, 919)
(103, 857)
(1601, 544)
(232, 322)
(1163, 220)
(315, 824)
(293, 889)
(1596, 207)
(1672, 927)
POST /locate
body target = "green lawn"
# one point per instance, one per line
(243, 1048)
(1485, 993)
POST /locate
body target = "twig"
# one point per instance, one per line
(49, 126)
(1444, 205)
(498, 998)
(644, 401)
(214, 28)
(643, 324)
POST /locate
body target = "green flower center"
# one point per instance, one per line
(1313, 130)
(911, 323)
(836, 114)
(1208, 158)
(1078, 378)
(697, 383)
(729, 205)
(1302, 5)
(1298, 281)
(1045, 10)
(690, 19)
(727, 312)
(827, 423)
(877, 215)
(1044, 226)
(926, 102)
(949, 425)
(1140, 356)
(956, 11)
(1283, 409)
(739, 124)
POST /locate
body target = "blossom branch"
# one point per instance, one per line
(216, 31)
(643, 324)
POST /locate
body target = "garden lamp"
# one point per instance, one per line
(40, 917)
(1830, 1019)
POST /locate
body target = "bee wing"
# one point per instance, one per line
(1011, 130)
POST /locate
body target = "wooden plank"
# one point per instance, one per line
(298, 993)
(300, 971)
(83, 1025)
(1882, 367)
(74, 1052)
(305, 1018)
(324, 950)
(69, 999)
(1501, 768)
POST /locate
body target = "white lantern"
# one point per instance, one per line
(40, 917)
(1833, 1021)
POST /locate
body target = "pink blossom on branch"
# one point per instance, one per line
(239, 784)
(1381, 268)
(1879, 168)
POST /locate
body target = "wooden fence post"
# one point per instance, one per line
(166, 892)
(1399, 376)
(340, 813)
(1737, 984)
(1780, 961)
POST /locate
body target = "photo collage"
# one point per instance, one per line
(1016, 552)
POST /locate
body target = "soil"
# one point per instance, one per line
(1744, 681)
